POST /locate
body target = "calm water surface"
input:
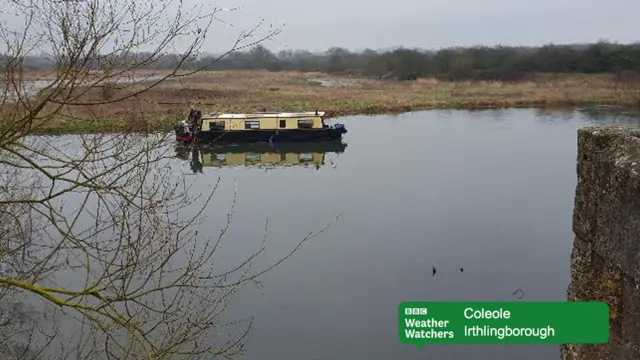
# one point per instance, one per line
(489, 191)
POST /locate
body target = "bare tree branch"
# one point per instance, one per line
(101, 227)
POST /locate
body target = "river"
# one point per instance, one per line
(485, 198)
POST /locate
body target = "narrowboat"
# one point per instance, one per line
(260, 155)
(266, 127)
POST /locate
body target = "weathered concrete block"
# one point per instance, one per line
(630, 312)
(616, 349)
(606, 255)
(581, 276)
(594, 279)
(609, 171)
(606, 286)
(585, 204)
(585, 215)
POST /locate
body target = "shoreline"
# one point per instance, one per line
(157, 109)
(87, 129)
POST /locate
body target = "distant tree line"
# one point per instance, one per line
(473, 63)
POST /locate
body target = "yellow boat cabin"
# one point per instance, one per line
(257, 127)
(264, 121)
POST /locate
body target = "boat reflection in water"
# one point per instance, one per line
(262, 155)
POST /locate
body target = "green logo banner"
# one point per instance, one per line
(422, 323)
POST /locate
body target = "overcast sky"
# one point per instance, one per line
(357, 24)
(317, 25)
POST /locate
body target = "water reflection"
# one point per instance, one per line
(553, 114)
(25, 330)
(260, 155)
(612, 116)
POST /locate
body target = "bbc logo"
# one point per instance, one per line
(415, 311)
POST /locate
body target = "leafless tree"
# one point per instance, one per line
(101, 227)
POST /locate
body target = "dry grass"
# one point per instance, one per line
(240, 91)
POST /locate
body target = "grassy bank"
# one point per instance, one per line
(243, 91)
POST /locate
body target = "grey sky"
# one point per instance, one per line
(357, 24)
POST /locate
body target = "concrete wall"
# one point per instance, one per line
(605, 263)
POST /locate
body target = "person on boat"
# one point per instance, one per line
(194, 117)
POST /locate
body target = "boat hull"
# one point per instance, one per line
(262, 136)
(330, 146)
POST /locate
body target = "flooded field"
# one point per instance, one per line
(330, 81)
(31, 87)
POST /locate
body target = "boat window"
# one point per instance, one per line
(283, 123)
(252, 157)
(252, 124)
(216, 125)
(305, 124)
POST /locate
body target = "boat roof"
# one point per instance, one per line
(262, 115)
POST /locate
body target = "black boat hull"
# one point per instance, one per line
(261, 136)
